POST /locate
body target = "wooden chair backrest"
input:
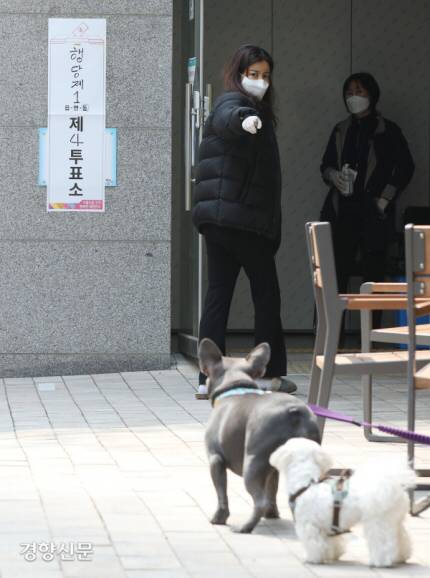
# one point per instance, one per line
(417, 240)
(321, 255)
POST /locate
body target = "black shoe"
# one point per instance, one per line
(282, 385)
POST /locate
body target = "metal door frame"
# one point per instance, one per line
(188, 344)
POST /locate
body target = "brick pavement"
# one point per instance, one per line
(118, 461)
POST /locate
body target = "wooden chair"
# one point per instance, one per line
(413, 296)
(330, 306)
(417, 250)
(387, 335)
(417, 286)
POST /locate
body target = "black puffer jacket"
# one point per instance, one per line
(239, 174)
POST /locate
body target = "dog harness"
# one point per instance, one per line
(339, 488)
(239, 390)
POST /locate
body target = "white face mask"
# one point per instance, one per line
(357, 104)
(255, 87)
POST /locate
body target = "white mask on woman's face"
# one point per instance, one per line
(357, 104)
(255, 87)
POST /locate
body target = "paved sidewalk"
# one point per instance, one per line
(117, 461)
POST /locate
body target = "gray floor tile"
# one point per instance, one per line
(118, 460)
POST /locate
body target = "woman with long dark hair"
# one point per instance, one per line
(238, 206)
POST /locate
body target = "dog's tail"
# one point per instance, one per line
(383, 484)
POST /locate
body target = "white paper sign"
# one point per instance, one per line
(76, 114)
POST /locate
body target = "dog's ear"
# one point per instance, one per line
(323, 459)
(209, 355)
(258, 359)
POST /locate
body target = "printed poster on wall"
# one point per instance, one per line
(76, 114)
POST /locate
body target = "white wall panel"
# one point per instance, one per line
(391, 40)
(312, 55)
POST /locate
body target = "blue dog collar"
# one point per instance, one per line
(240, 391)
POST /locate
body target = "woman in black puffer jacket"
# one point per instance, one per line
(238, 206)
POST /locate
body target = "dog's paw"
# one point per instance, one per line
(245, 529)
(315, 560)
(271, 512)
(220, 517)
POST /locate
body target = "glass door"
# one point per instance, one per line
(196, 108)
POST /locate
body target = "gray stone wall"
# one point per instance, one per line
(87, 293)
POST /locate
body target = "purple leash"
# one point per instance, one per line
(407, 435)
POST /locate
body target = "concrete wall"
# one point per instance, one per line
(392, 39)
(83, 293)
(315, 46)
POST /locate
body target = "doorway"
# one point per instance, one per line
(191, 104)
(315, 47)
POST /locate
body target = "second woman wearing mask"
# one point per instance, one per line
(367, 164)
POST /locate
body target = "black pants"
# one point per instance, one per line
(228, 251)
(351, 238)
(368, 235)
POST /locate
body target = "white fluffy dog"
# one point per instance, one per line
(376, 498)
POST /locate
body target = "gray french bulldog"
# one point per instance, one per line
(246, 426)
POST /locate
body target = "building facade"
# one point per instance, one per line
(90, 293)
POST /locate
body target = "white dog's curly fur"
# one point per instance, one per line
(376, 498)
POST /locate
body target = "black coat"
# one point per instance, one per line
(385, 171)
(238, 183)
